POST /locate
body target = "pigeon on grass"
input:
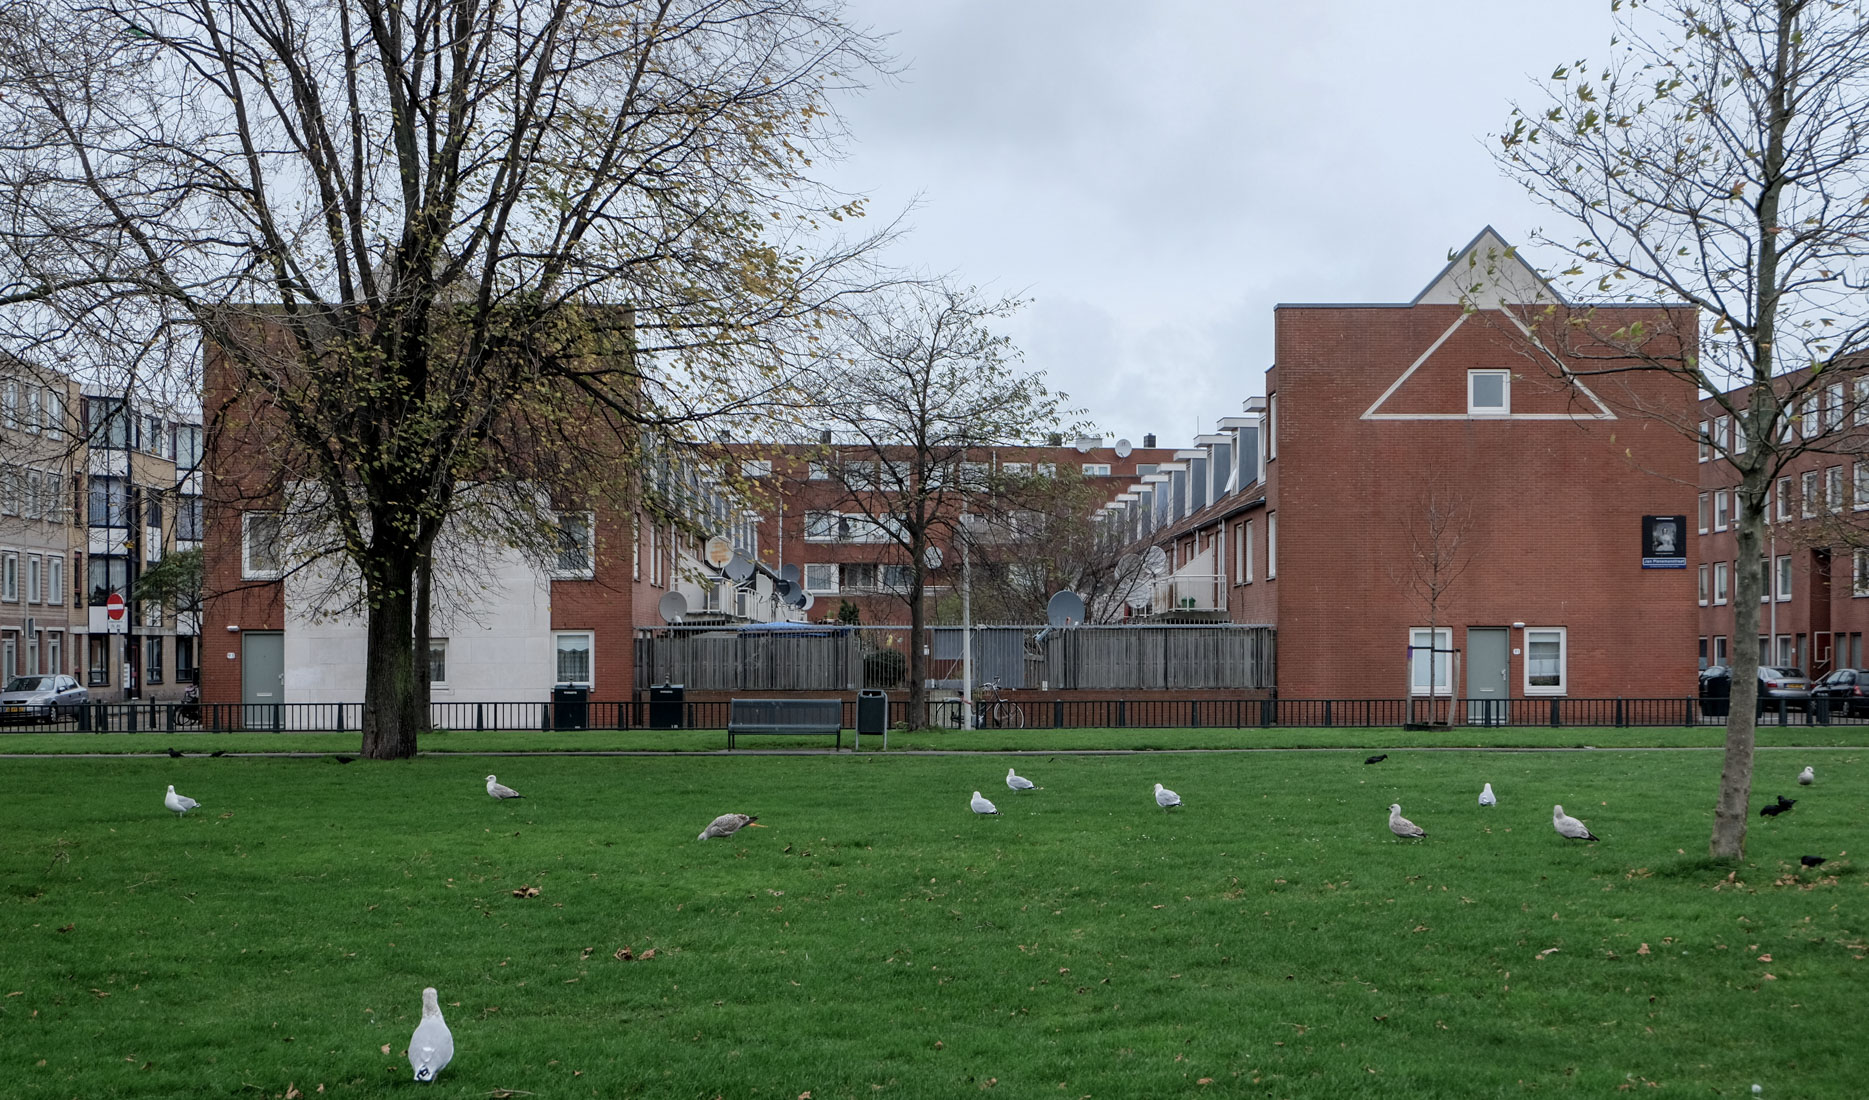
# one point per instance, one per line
(497, 789)
(431, 1048)
(1166, 798)
(982, 806)
(1403, 827)
(729, 824)
(178, 804)
(1018, 782)
(1807, 777)
(1568, 826)
(1487, 798)
(1377, 759)
(1782, 806)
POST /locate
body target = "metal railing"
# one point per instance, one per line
(1157, 711)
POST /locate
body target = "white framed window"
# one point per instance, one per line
(1721, 426)
(1719, 649)
(756, 467)
(1546, 660)
(1430, 667)
(9, 576)
(1862, 401)
(821, 526)
(1271, 435)
(1859, 500)
(635, 547)
(1807, 482)
(1860, 582)
(1096, 469)
(1784, 498)
(1833, 488)
(1810, 418)
(35, 574)
(896, 578)
(1765, 582)
(1704, 440)
(576, 554)
(1271, 545)
(1706, 509)
(1247, 546)
(1719, 582)
(1719, 510)
(55, 580)
(818, 471)
(259, 546)
(1703, 584)
(438, 662)
(1784, 577)
(1833, 406)
(1489, 392)
(573, 658)
(821, 577)
(1739, 434)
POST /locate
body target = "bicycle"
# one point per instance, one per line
(995, 711)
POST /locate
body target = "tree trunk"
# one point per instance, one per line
(918, 656)
(1729, 810)
(392, 717)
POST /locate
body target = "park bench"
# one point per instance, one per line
(786, 716)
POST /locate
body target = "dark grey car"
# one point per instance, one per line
(44, 698)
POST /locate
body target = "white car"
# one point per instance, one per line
(46, 698)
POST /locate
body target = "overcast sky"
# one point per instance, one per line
(1156, 176)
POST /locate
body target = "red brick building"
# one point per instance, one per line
(1395, 435)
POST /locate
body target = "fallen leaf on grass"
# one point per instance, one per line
(1765, 958)
(1771, 977)
(1205, 1081)
(1545, 952)
(293, 1093)
(526, 892)
(624, 954)
(586, 954)
(1642, 950)
(385, 1048)
(647, 955)
(100, 994)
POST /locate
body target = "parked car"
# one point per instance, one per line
(41, 698)
(1787, 685)
(1848, 691)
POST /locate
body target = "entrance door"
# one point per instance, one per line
(262, 678)
(1488, 666)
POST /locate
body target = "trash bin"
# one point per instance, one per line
(1820, 709)
(571, 707)
(665, 705)
(1715, 691)
(872, 712)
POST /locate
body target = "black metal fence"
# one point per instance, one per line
(1132, 713)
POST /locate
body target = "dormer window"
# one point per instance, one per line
(1489, 392)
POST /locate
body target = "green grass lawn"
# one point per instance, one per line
(1271, 939)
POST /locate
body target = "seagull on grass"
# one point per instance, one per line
(178, 804)
(1403, 827)
(1166, 798)
(1807, 777)
(729, 824)
(1568, 826)
(431, 1048)
(1783, 806)
(982, 806)
(1487, 798)
(1018, 782)
(498, 789)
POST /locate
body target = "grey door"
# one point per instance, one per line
(1488, 666)
(262, 678)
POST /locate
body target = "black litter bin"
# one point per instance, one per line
(571, 707)
(1715, 693)
(872, 712)
(665, 704)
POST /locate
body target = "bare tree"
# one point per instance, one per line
(425, 246)
(1440, 534)
(1720, 161)
(914, 402)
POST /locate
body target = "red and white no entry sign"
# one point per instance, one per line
(113, 607)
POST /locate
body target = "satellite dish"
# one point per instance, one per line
(1156, 562)
(1084, 443)
(808, 601)
(789, 572)
(673, 607)
(1123, 449)
(799, 598)
(1065, 609)
(739, 568)
(1128, 565)
(784, 589)
(931, 557)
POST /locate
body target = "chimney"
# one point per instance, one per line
(1148, 441)
(824, 437)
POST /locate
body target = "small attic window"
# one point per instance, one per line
(1489, 392)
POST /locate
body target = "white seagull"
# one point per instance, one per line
(982, 806)
(178, 804)
(1487, 798)
(1018, 782)
(729, 824)
(1807, 777)
(431, 1048)
(1166, 798)
(1568, 826)
(500, 790)
(1403, 827)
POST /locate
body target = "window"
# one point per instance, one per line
(152, 661)
(1096, 469)
(897, 578)
(108, 575)
(259, 546)
(1719, 582)
(1489, 392)
(1784, 498)
(1271, 440)
(821, 577)
(1833, 488)
(97, 660)
(1784, 576)
(1810, 418)
(818, 471)
(857, 576)
(1862, 401)
(1703, 584)
(109, 502)
(1833, 406)
(35, 570)
(1271, 545)
(184, 658)
(1861, 584)
(437, 662)
(1721, 425)
(1739, 434)
(1429, 661)
(1859, 500)
(188, 519)
(1719, 649)
(1719, 510)
(104, 423)
(52, 410)
(1808, 483)
(1706, 501)
(1704, 440)
(756, 467)
(574, 657)
(821, 526)
(9, 577)
(55, 580)
(1765, 580)
(1144, 469)
(577, 551)
(187, 446)
(1544, 660)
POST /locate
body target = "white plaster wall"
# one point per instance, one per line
(498, 625)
